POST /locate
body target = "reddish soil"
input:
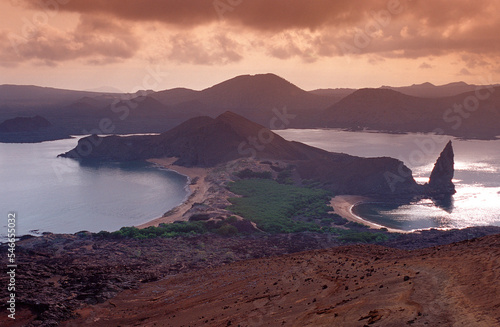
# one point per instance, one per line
(358, 285)
(175, 282)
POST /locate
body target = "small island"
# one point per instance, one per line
(30, 130)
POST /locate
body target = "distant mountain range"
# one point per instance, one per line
(266, 99)
(429, 90)
(424, 90)
(464, 115)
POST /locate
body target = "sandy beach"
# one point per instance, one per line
(343, 204)
(198, 190)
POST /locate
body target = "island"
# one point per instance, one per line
(30, 130)
(215, 151)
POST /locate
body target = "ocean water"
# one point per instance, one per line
(477, 176)
(60, 195)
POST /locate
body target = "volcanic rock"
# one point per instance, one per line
(451, 285)
(440, 181)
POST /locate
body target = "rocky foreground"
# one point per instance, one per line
(361, 285)
(256, 280)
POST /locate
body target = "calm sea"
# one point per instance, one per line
(477, 176)
(62, 196)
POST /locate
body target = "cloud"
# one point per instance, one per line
(425, 65)
(465, 72)
(186, 47)
(282, 29)
(46, 44)
(256, 14)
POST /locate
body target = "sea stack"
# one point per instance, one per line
(440, 181)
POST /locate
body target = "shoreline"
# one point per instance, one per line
(343, 204)
(198, 190)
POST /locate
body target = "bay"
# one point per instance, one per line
(63, 196)
(60, 195)
(477, 176)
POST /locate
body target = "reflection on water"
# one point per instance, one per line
(477, 176)
(445, 203)
(470, 206)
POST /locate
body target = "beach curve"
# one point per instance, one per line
(198, 187)
(343, 204)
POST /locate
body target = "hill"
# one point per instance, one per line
(463, 115)
(24, 96)
(272, 90)
(175, 96)
(80, 111)
(24, 124)
(260, 98)
(252, 96)
(207, 142)
(264, 98)
(30, 130)
(424, 90)
(429, 90)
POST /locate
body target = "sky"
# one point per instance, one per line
(129, 45)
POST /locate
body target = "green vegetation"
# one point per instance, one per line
(276, 206)
(285, 177)
(356, 225)
(227, 230)
(280, 208)
(181, 228)
(247, 173)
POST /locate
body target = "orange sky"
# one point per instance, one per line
(137, 44)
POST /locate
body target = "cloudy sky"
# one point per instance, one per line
(137, 44)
